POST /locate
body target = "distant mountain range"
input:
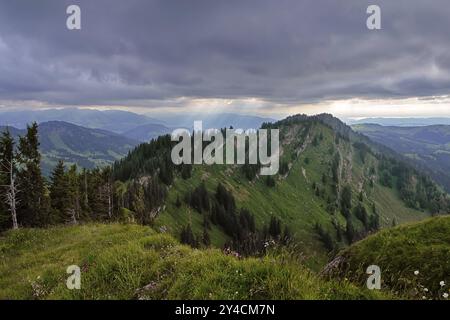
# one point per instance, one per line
(403, 122)
(93, 138)
(147, 132)
(112, 120)
(86, 147)
(214, 120)
(135, 126)
(427, 146)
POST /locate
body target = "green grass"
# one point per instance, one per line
(118, 261)
(399, 252)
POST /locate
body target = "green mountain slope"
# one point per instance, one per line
(318, 163)
(135, 262)
(413, 258)
(428, 146)
(86, 147)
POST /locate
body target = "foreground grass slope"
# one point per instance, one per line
(135, 262)
(414, 259)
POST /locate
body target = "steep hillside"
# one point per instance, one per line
(332, 189)
(413, 258)
(135, 262)
(428, 146)
(86, 147)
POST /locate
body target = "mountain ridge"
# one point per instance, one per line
(321, 160)
(88, 148)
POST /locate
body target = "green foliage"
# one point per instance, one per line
(346, 200)
(59, 193)
(325, 237)
(399, 252)
(284, 167)
(416, 190)
(133, 262)
(187, 236)
(33, 207)
(425, 147)
(270, 181)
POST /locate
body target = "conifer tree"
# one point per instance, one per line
(59, 194)
(33, 208)
(205, 238)
(74, 193)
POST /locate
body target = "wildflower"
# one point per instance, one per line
(416, 272)
(423, 297)
(442, 283)
(426, 289)
(445, 295)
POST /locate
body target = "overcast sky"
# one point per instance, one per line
(251, 56)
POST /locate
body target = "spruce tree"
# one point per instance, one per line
(74, 193)
(59, 194)
(205, 238)
(33, 207)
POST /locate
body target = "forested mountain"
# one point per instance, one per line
(426, 146)
(88, 148)
(333, 188)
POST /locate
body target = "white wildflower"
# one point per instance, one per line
(445, 295)
(416, 272)
(426, 289)
(442, 283)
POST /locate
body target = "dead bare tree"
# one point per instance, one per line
(72, 214)
(12, 191)
(106, 190)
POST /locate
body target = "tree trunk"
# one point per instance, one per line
(12, 195)
(86, 201)
(109, 201)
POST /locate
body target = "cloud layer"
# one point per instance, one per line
(154, 53)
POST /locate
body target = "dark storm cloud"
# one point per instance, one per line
(285, 51)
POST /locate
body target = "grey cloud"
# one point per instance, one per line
(283, 51)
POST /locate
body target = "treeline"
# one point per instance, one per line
(24, 196)
(219, 208)
(349, 233)
(73, 195)
(416, 190)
